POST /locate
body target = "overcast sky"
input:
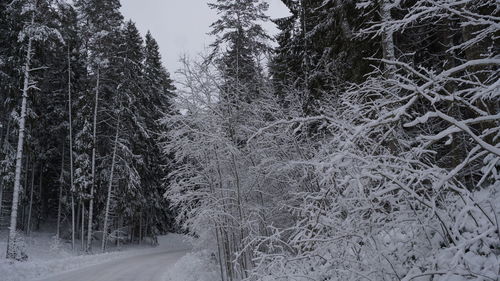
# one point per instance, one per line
(180, 26)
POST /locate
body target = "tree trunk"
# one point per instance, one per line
(72, 222)
(28, 225)
(146, 227)
(59, 204)
(94, 139)
(1, 196)
(72, 190)
(82, 227)
(118, 226)
(24, 195)
(131, 231)
(140, 227)
(42, 207)
(19, 152)
(219, 252)
(388, 36)
(4, 140)
(77, 219)
(110, 186)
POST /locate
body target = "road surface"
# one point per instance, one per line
(151, 266)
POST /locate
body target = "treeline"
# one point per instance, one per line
(80, 95)
(369, 152)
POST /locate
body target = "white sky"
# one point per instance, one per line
(180, 26)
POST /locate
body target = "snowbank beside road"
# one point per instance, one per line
(45, 259)
(20, 271)
(196, 266)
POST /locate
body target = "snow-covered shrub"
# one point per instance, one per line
(17, 248)
(396, 179)
(406, 174)
(55, 244)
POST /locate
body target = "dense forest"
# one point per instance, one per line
(360, 143)
(81, 93)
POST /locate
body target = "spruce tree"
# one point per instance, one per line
(11, 61)
(101, 25)
(239, 30)
(127, 117)
(157, 101)
(90, 86)
(319, 51)
(34, 31)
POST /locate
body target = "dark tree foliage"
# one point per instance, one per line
(240, 43)
(92, 50)
(319, 51)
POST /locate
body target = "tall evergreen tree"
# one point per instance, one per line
(34, 31)
(319, 52)
(156, 101)
(129, 123)
(101, 22)
(239, 30)
(89, 87)
(11, 61)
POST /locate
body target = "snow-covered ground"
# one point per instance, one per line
(50, 262)
(147, 265)
(194, 266)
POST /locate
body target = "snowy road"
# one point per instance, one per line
(139, 264)
(143, 267)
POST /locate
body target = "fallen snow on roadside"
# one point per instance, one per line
(195, 266)
(45, 260)
(19, 271)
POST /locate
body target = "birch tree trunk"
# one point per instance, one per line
(94, 139)
(110, 186)
(388, 36)
(19, 152)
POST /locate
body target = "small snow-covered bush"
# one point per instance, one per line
(17, 249)
(55, 244)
